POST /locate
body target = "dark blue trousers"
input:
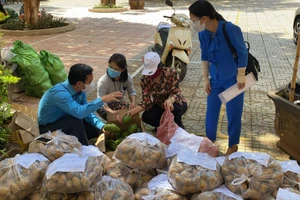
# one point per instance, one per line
(234, 110)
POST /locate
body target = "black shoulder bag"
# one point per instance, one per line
(253, 64)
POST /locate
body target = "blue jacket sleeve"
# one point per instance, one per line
(237, 40)
(92, 119)
(204, 55)
(65, 102)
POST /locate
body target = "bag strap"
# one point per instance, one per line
(232, 49)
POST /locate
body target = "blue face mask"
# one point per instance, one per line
(113, 73)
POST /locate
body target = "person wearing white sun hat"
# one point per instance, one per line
(160, 91)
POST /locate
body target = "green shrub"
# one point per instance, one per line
(46, 20)
(6, 78)
(106, 6)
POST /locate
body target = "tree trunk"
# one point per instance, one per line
(31, 10)
(108, 2)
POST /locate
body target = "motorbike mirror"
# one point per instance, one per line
(169, 3)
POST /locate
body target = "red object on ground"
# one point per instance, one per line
(207, 146)
(167, 127)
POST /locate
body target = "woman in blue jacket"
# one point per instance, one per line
(219, 69)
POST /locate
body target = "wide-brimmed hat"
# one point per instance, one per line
(151, 61)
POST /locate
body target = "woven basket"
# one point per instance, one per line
(287, 89)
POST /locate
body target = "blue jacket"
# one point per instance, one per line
(62, 100)
(215, 50)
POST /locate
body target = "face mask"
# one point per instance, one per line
(113, 73)
(89, 88)
(197, 26)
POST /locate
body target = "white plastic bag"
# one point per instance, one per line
(141, 151)
(192, 172)
(109, 188)
(21, 175)
(74, 173)
(252, 175)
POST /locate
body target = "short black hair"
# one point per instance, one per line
(120, 61)
(79, 72)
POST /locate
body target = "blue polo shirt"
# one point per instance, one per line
(215, 50)
(62, 100)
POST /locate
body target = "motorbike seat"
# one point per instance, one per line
(164, 33)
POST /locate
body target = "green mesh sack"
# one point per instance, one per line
(54, 66)
(30, 69)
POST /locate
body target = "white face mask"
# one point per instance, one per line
(89, 88)
(197, 26)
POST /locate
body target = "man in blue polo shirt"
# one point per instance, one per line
(65, 107)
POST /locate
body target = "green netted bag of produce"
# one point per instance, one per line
(54, 66)
(35, 78)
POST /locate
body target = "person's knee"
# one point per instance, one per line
(146, 118)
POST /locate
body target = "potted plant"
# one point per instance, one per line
(136, 4)
(287, 118)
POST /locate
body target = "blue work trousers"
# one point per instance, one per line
(234, 110)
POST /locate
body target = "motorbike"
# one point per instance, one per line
(173, 42)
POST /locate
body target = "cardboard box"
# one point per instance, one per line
(24, 129)
(111, 119)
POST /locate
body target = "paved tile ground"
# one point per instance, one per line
(266, 24)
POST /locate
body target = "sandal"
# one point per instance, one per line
(232, 149)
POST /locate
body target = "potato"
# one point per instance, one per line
(60, 145)
(109, 188)
(188, 179)
(140, 154)
(73, 182)
(259, 180)
(141, 192)
(17, 182)
(134, 178)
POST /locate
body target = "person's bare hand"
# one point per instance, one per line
(112, 97)
(132, 105)
(207, 87)
(117, 116)
(168, 105)
(241, 85)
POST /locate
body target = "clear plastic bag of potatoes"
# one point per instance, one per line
(54, 145)
(42, 193)
(74, 173)
(83, 196)
(21, 175)
(135, 178)
(220, 193)
(291, 171)
(141, 151)
(192, 172)
(141, 192)
(252, 175)
(109, 188)
(160, 189)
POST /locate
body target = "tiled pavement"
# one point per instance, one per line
(267, 25)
